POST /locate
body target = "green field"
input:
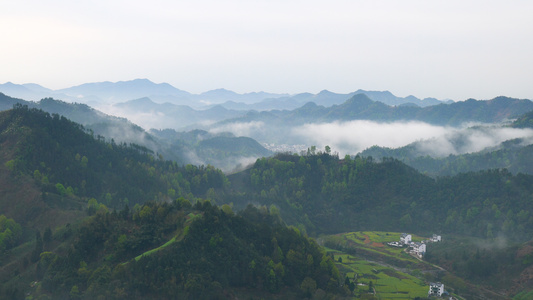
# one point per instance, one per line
(388, 282)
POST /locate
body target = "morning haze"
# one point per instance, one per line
(266, 149)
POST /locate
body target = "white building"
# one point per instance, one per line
(419, 248)
(395, 244)
(436, 238)
(405, 238)
(436, 289)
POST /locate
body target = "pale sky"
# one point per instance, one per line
(444, 49)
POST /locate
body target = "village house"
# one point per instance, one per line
(435, 238)
(436, 289)
(405, 238)
(418, 249)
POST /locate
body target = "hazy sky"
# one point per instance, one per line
(445, 49)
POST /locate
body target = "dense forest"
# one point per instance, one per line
(197, 252)
(66, 159)
(324, 194)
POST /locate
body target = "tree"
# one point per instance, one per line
(47, 236)
(61, 189)
(74, 292)
(308, 286)
(84, 161)
(35, 255)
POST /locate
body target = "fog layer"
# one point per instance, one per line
(355, 136)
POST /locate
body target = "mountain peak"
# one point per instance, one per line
(359, 98)
(325, 92)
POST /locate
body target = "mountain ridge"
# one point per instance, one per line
(112, 92)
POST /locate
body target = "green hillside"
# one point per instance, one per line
(67, 229)
(217, 255)
(197, 147)
(325, 194)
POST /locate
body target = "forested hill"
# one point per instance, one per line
(324, 194)
(515, 155)
(222, 150)
(85, 218)
(64, 158)
(525, 121)
(179, 251)
(101, 124)
(360, 107)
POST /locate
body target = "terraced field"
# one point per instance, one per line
(376, 268)
(387, 282)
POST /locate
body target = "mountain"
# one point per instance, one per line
(277, 125)
(149, 114)
(326, 98)
(7, 102)
(80, 160)
(511, 153)
(121, 130)
(524, 121)
(223, 150)
(24, 91)
(485, 111)
(112, 92)
(223, 95)
(105, 93)
(392, 100)
(325, 194)
(31, 91)
(100, 94)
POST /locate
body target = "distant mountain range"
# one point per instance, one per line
(103, 93)
(361, 107)
(150, 114)
(263, 117)
(278, 126)
(222, 150)
(327, 98)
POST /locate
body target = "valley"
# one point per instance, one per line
(117, 211)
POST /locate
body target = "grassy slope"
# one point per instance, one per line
(182, 232)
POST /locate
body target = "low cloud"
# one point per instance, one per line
(355, 136)
(239, 129)
(239, 163)
(146, 120)
(473, 139)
